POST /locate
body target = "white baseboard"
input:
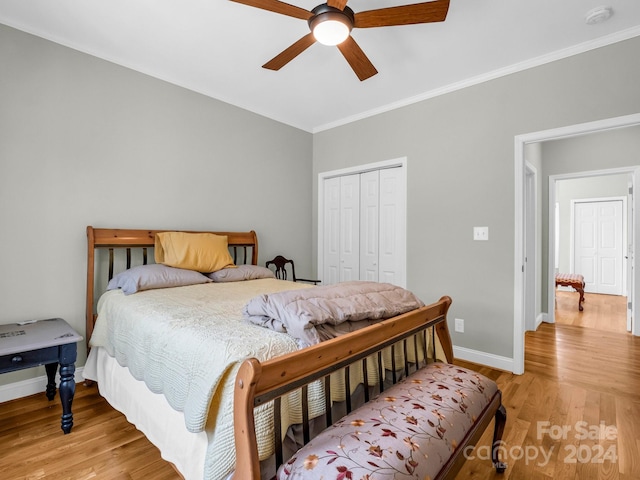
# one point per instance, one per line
(542, 317)
(32, 386)
(483, 358)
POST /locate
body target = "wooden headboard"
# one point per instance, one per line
(129, 240)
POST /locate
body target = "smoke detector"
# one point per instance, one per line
(598, 15)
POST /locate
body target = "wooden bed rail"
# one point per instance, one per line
(258, 383)
(128, 239)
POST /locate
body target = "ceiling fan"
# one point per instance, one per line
(331, 24)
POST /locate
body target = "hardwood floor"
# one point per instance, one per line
(101, 445)
(578, 382)
(575, 412)
(601, 312)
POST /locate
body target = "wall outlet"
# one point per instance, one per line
(481, 233)
(459, 326)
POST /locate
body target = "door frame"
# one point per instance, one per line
(520, 141)
(531, 281)
(624, 236)
(393, 163)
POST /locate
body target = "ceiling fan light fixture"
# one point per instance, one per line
(330, 25)
(330, 31)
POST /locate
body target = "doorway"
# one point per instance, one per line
(521, 142)
(563, 237)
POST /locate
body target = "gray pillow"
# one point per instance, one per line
(147, 277)
(239, 273)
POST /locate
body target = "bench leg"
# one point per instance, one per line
(580, 290)
(500, 421)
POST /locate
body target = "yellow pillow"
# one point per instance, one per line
(203, 252)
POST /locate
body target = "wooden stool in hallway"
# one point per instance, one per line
(573, 280)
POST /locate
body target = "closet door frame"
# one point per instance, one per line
(394, 163)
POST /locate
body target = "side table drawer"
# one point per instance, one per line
(33, 358)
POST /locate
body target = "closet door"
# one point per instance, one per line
(331, 231)
(369, 225)
(349, 228)
(363, 221)
(392, 229)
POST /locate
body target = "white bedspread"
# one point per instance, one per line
(187, 343)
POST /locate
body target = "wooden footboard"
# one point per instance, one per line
(258, 383)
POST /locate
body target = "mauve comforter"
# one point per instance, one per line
(311, 315)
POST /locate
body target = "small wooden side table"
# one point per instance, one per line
(44, 342)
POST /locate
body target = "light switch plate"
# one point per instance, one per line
(481, 233)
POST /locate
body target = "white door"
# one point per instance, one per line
(369, 225)
(331, 231)
(349, 228)
(392, 242)
(598, 243)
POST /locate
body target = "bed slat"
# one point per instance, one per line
(380, 373)
(327, 400)
(406, 357)
(110, 263)
(347, 387)
(305, 414)
(365, 379)
(277, 429)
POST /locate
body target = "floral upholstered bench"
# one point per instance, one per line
(414, 429)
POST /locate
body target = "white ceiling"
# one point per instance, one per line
(217, 47)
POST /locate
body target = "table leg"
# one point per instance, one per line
(51, 369)
(68, 355)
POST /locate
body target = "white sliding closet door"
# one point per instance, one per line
(364, 227)
(369, 225)
(331, 231)
(392, 241)
(349, 228)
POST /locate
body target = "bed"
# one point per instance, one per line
(183, 401)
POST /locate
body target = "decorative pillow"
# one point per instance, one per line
(147, 277)
(202, 252)
(241, 272)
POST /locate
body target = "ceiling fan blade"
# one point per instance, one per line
(339, 4)
(359, 62)
(278, 7)
(280, 60)
(403, 15)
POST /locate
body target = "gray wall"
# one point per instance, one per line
(86, 142)
(460, 150)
